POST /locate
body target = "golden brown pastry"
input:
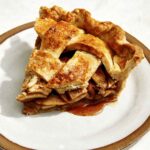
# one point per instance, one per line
(78, 64)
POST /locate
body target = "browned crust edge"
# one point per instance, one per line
(123, 143)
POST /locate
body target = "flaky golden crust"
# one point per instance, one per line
(77, 62)
(113, 35)
(44, 64)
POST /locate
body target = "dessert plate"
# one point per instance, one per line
(117, 126)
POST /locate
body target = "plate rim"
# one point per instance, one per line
(120, 144)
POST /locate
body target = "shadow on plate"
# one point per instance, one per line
(13, 65)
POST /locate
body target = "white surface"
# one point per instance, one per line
(133, 16)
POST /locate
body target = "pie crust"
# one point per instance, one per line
(78, 64)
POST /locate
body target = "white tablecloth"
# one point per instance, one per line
(131, 15)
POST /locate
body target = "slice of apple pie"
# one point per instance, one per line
(78, 64)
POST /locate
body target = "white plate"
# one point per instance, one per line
(55, 130)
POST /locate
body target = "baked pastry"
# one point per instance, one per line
(78, 64)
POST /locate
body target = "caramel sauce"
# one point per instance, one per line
(90, 110)
(87, 110)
